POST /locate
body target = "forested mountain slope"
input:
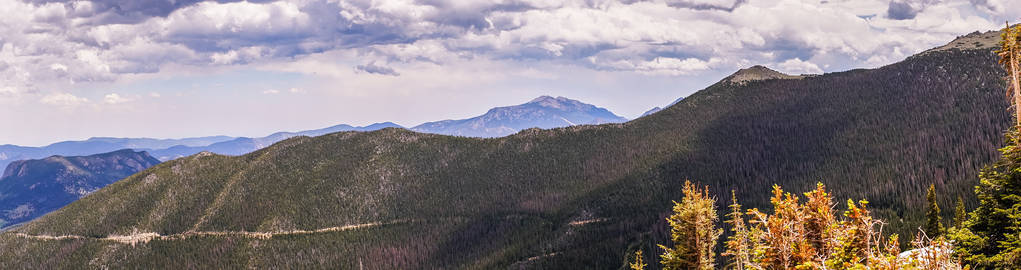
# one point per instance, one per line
(31, 188)
(574, 197)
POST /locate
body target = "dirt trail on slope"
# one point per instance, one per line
(136, 238)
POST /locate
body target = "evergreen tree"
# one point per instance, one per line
(639, 263)
(797, 236)
(934, 221)
(989, 237)
(856, 236)
(783, 242)
(960, 214)
(738, 246)
(820, 220)
(692, 230)
(1010, 55)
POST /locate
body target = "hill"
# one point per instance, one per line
(31, 188)
(543, 112)
(573, 197)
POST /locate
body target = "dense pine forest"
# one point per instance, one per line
(568, 198)
(807, 235)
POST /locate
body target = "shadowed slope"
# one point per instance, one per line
(31, 188)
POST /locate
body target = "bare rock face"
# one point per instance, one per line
(31, 188)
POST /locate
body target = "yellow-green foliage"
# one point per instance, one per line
(799, 236)
(933, 218)
(693, 231)
(784, 242)
(738, 242)
(639, 263)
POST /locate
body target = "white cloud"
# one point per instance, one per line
(796, 66)
(114, 98)
(663, 65)
(58, 67)
(63, 45)
(63, 99)
(292, 90)
(1002, 9)
(7, 91)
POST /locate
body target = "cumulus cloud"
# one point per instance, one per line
(797, 66)
(114, 98)
(666, 65)
(907, 9)
(377, 69)
(54, 43)
(1002, 9)
(7, 91)
(292, 90)
(723, 5)
(63, 99)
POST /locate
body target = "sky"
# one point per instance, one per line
(71, 70)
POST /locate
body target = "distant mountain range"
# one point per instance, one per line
(34, 186)
(10, 153)
(166, 149)
(543, 112)
(31, 188)
(243, 145)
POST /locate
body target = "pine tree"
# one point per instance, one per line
(783, 241)
(738, 246)
(990, 236)
(692, 230)
(639, 263)
(854, 243)
(960, 214)
(820, 220)
(799, 236)
(1010, 52)
(934, 222)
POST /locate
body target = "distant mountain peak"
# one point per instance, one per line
(756, 73)
(542, 112)
(556, 102)
(543, 98)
